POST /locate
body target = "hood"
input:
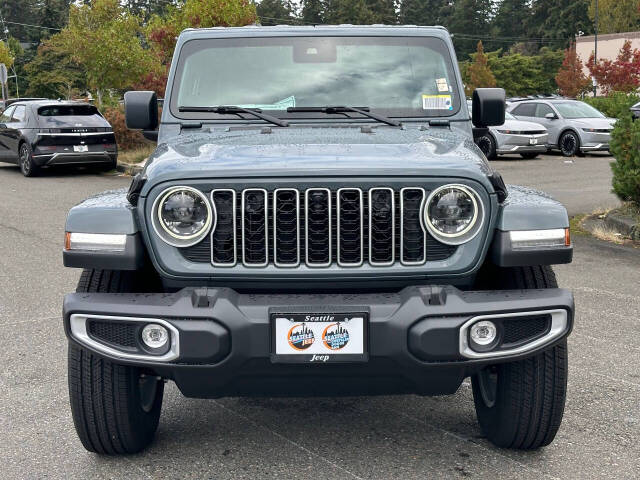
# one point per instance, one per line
(316, 152)
(521, 126)
(598, 123)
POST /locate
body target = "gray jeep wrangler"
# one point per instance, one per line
(316, 220)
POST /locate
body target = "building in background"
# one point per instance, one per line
(609, 46)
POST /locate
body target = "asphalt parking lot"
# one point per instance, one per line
(371, 437)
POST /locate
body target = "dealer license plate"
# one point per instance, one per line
(319, 337)
(81, 148)
(533, 141)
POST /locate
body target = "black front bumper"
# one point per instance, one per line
(224, 347)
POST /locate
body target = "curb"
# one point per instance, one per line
(129, 168)
(623, 224)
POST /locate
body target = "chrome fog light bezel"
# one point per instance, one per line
(470, 232)
(171, 238)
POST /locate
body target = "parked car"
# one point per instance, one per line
(6, 103)
(287, 243)
(574, 127)
(45, 133)
(635, 111)
(527, 139)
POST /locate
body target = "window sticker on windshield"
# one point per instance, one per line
(437, 102)
(442, 85)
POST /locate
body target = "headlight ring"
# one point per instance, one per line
(453, 214)
(182, 216)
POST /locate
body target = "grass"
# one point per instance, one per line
(575, 224)
(137, 155)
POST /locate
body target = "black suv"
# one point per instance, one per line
(43, 133)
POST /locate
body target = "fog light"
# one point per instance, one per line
(155, 336)
(483, 333)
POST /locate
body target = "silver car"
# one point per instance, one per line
(574, 127)
(514, 136)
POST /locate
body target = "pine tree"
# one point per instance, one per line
(313, 11)
(383, 11)
(422, 12)
(468, 20)
(479, 73)
(511, 18)
(616, 16)
(276, 12)
(559, 21)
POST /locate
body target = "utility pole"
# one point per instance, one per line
(595, 53)
(5, 37)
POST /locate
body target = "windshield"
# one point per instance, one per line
(395, 76)
(577, 110)
(67, 110)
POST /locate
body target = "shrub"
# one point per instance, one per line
(625, 147)
(126, 139)
(614, 105)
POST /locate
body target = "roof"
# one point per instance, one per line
(43, 102)
(315, 30)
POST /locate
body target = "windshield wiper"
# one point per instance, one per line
(342, 109)
(232, 109)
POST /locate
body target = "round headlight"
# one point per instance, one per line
(453, 214)
(183, 215)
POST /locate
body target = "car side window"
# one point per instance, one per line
(525, 110)
(6, 115)
(543, 109)
(20, 114)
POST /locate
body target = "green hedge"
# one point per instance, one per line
(615, 105)
(625, 147)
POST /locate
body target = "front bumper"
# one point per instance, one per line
(595, 147)
(222, 346)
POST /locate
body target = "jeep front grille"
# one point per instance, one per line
(318, 227)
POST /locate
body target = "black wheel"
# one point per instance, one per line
(520, 404)
(569, 144)
(487, 144)
(529, 155)
(115, 408)
(25, 160)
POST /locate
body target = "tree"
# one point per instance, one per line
(468, 20)
(621, 75)
(162, 31)
(422, 12)
(313, 11)
(615, 16)
(512, 18)
(105, 39)
(479, 74)
(276, 12)
(383, 11)
(557, 22)
(6, 56)
(348, 11)
(571, 79)
(54, 75)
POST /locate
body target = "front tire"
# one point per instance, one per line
(569, 144)
(487, 144)
(520, 404)
(116, 408)
(25, 161)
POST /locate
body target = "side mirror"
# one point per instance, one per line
(550, 116)
(141, 110)
(488, 107)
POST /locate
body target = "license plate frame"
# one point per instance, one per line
(81, 148)
(322, 325)
(533, 141)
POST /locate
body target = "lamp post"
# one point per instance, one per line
(595, 53)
